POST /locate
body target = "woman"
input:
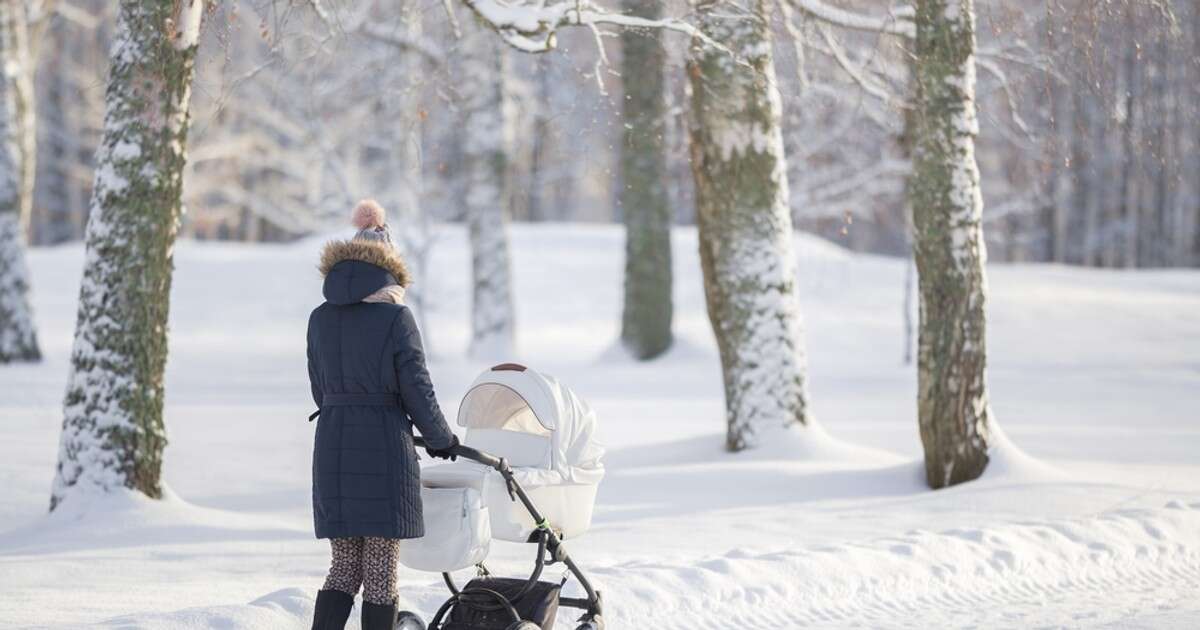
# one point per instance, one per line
(368, 376)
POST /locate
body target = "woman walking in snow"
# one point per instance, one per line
(369, 380)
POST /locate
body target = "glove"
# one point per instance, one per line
(445, 453)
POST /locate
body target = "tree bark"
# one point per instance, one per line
(953, 410)
(746, 248)
(18, 332)
(1129, 167)
(113, 433)
(645, 207)
(539, 159)
(416, 237)
(487, 140)
(1195, 245)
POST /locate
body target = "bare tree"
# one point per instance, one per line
(645, 207)
(487, 125)
(953, 410)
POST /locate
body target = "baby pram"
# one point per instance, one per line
(528, 473)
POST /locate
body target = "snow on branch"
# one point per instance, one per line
(531, 26)
(898, 21)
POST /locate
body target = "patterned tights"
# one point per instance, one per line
(366, 562)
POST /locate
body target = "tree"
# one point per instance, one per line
(954, 414)
(113, 433)
(740, 171)
(487, 123)
(645, 208)
(18, 334)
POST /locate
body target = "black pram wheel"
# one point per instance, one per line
(594, 624)
(406, 620)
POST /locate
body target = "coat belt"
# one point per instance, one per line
(346, 400)
(376, 400)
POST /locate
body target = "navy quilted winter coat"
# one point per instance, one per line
(369, 380)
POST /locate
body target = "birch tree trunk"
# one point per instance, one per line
(18, 334)
(539, 159)
(416, 226)
(953, 410)
(113, 433)
(739, 167)
(645, 208)
(487, 137)
(1196, 143)
(1130, 193)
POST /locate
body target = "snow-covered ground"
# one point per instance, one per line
(1094, 522)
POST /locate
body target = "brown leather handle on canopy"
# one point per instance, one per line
(509, 367)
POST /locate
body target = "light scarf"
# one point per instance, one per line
(391, 294)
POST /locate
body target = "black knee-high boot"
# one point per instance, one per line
(378, 616)
(332, 611)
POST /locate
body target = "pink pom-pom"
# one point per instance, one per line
(368, 214)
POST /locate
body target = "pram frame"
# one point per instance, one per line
(544, 535)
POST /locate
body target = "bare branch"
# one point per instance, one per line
(448, 5)
(323, 15)
(868, 86)
(897, 22)
(427, 49)
(77, 16)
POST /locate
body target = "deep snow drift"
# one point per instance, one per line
(1093, 522)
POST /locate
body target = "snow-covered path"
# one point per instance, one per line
(1014, 575)
(1095, 375)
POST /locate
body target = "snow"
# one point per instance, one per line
(187, 28)
(1093, 522)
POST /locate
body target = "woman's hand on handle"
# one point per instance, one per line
(445, 453)
(458, 449)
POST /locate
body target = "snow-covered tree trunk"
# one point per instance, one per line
(746, 249)
(18, 334)
(113, 433)
(646, 317)
(953, 410)
(487, 125)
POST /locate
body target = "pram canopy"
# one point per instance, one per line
(545, 430)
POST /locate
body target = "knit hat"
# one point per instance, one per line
(368, 216)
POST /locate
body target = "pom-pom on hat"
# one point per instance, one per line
(368, 214)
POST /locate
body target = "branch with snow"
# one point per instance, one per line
(898, 20)
(531, 26)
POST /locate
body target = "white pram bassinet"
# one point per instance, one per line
(546, 434)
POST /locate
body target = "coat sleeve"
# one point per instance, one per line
(314, 376)
(416, 389)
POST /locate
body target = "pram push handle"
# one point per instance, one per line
(467, 452)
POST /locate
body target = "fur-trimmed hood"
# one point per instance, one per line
(375, 253)
(357, 268)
